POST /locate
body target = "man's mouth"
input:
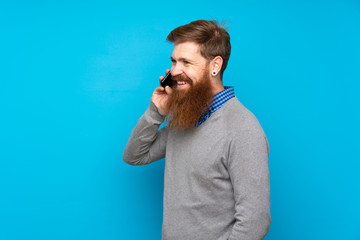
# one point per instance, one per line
(182, 84)
(181, 81)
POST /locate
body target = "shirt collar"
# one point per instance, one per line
(218, 101)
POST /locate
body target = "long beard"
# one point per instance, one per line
(185, 107)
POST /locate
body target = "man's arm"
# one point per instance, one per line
(146, 144)
(249, 173)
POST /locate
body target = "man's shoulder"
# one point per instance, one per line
(236, 117)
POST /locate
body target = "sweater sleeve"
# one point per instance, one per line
(249, 173)
(146, 143)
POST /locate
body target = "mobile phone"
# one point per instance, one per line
(167, 80)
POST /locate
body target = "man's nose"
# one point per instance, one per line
(176, 70)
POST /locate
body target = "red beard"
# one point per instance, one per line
(185, 107)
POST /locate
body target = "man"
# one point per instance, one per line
(216, 153)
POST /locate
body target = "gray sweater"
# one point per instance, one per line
(216, 175)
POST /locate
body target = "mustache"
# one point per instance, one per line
(181, 78)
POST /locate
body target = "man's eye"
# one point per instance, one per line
(186, 62)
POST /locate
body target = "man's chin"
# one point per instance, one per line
(189, 102)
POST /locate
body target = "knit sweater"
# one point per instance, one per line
(216, 183)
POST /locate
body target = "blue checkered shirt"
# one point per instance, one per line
(218, 101)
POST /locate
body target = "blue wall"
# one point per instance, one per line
(75, 76)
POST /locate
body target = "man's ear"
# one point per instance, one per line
(216, 65)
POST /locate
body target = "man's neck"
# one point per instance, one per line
(217, 87)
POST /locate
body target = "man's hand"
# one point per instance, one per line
(161, 96)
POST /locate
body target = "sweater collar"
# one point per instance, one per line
(217, 102)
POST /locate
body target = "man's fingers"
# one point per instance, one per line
(160, 89)
(168, 90)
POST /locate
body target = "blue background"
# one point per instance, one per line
(75, 76)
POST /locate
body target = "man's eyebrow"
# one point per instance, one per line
(181, 59)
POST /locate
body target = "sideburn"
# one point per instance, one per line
(186, 107)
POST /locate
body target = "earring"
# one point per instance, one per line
(213, 73)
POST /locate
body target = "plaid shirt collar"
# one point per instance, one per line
(218, 101)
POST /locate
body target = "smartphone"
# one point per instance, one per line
(167, 80)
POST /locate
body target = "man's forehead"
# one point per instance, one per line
(188, 50)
